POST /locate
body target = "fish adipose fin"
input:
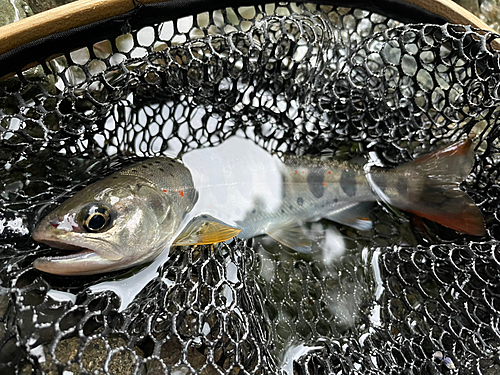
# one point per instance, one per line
(355, 216)
(205, 230)
(429, 187)
(291, 235)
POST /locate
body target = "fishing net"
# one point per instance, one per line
(409, 297)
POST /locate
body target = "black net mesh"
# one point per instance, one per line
(296, 78)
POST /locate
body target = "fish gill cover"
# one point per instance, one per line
(405, 298)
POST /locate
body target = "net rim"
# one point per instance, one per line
(39, 34)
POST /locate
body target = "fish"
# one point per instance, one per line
(238, 189)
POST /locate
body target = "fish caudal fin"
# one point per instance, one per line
(428, 187)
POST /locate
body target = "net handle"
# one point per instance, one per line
(63, 18)
(84, 12)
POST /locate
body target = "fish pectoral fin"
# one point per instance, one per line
(291, 235)
(205, 230)
(355, 216)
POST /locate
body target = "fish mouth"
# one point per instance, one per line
(83, 252)
(82, 260)
(46, 235)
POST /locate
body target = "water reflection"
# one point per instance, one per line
(127, 289)
(329, 241)
(293, 354)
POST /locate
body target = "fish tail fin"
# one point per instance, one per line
(429, 187)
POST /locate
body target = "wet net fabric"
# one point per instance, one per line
(298, 79)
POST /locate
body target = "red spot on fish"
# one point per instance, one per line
(181, 193)
(324, 183)
(164, 190)
(296, 172)
(329, 172)
(303, 171)
(55, 225)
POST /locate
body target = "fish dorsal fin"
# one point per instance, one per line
(355, 215)
(291, 235)
(205, 230)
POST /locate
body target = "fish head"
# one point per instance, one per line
(113, 224)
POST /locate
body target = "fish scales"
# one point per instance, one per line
(314, 182)
(312, 191)
(169, 176)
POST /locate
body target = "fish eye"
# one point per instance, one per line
(96, 217)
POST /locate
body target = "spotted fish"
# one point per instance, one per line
(239, 189)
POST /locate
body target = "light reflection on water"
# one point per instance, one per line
(329, 240)
(377, 274)
(294, 353)
(127, 289)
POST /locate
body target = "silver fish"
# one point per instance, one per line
(239, 189)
